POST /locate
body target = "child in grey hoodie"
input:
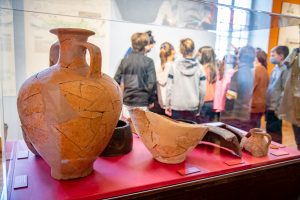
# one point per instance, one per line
(275, 92)
(186, 85)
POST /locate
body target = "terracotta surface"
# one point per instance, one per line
(168, 141)
(258, 143)
(28, 143)
(69, 111)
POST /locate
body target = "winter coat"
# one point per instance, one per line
(290, 105)
(137, 72)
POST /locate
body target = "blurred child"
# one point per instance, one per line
(138, 73)
(186, 85)
(148, 47)
(226, 69)
(208, 62)
(274, 92)
(166, 55)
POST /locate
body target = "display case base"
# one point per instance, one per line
(137, 175)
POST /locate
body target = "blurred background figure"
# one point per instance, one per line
(260, 85)
(290, 106)
(208, 62)
(240, 91)
(167, 54)
(186, 85)
(148, 47)
(275, 91)
(138, 73)
(226, 69)
(151, 42)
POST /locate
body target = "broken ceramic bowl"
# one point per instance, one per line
(169, 141)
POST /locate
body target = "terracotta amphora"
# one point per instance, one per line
(69, 111)
(257, 142)
(168, 141)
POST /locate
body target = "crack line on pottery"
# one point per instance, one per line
(68, 139)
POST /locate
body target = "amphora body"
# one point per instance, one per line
(69, 111)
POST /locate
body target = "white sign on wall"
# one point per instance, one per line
(290, 36)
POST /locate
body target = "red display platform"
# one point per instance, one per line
(135, 172)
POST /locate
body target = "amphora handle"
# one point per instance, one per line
(96, 59)
(54, 53)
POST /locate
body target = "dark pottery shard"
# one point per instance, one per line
(223, 138)
(238, 132)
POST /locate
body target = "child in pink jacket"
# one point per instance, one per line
(226, 71)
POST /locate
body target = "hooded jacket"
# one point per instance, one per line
(186, 86)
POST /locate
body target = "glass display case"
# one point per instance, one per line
(224, 25)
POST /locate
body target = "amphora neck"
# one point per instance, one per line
(71, 52)
(257, 132)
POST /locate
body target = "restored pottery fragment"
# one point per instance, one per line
(69, 111)
(223, 138)
(236, 131)
(168, 141)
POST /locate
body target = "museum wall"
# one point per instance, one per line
(289, 36)
(167, 19)
(118, 47)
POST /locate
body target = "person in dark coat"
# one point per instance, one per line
(137, 73)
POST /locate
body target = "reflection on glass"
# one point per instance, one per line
(25, 39)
